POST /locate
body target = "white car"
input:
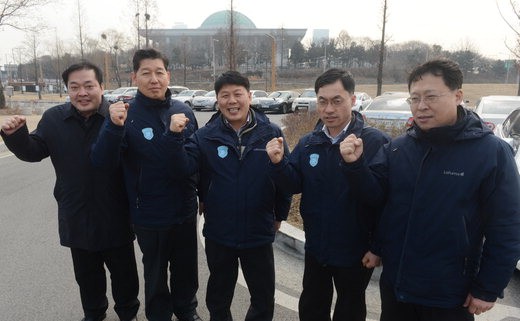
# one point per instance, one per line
(208, 101)
(509, 130)
(186, 96)
(494, 109)
(362, 101)
(307, 101)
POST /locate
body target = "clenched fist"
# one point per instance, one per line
(178, 122)
(275, 150)
(12, 124)
(118, 113)
(351, 148)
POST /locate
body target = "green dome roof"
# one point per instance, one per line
(220, 20)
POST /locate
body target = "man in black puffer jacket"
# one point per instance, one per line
(448, 235)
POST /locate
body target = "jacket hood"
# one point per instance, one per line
(468, 126)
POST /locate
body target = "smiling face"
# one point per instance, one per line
(152, 78)
(85, 91)
(433, 104)
(234, 102)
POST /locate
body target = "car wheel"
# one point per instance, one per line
(284, 109)
(215, 107)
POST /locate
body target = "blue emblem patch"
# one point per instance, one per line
(147, 133)
(313, 159)
(222, 151)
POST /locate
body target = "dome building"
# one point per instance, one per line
(253, 45)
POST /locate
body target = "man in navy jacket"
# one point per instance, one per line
(92, 205)
(163, 204)
(338, 226)
(448, 235)
(242, 207)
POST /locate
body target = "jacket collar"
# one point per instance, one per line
(355, 127)
(468, 126)
(145, 101)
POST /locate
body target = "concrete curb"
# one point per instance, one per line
(3, 148)
(291, 239)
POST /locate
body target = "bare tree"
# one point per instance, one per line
(381, 52)
(80, 29)
(514, 49)
(32, 44)
(13, 13)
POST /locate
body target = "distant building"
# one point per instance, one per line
(253, 44)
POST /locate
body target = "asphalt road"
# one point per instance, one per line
(36, 276)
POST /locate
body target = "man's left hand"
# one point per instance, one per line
(477, 306)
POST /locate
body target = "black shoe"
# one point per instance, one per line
(193, 317)
(98, 318)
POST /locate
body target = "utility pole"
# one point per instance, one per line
(273, 61)
(213, 54)
(381, 53)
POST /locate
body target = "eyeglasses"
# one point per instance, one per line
(428, 99)
(335, 102)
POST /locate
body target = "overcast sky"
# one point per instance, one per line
(453, 24)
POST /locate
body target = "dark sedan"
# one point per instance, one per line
(277, 101)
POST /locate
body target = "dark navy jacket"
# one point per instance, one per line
(452, 216)
(158, 196)
(241, 201)
(92, 204)
(338, 227)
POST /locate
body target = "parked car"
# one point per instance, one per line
(389, 110)
(258, 93)
(307, 101)
(177, 89)
(186, 96)
(494, 109)
(208, 101)
(121, 93)
(362, 100)
(278, 101)
(509, 130)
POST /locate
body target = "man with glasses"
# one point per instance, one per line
(337, 226)
(448, 235)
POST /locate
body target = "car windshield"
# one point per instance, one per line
(210, 94)
(499, 106)
(389, 104)
(119, 91)
(275, 94)
(186, 93)
(308, 93)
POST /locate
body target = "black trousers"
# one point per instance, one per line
(91, 277)
(316, 298)
(258, 268)
(174, 250)
(393, 310)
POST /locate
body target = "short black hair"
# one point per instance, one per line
(231, 78)
(334, 74)
(148, 53)
(448, 69)
(82, 65)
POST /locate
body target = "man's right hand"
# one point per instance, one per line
(274, 149)
(351, 148)
(178, 122)
(118, 113)
(12, 124)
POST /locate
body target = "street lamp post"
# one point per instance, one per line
(273, 61)
(213, 54)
